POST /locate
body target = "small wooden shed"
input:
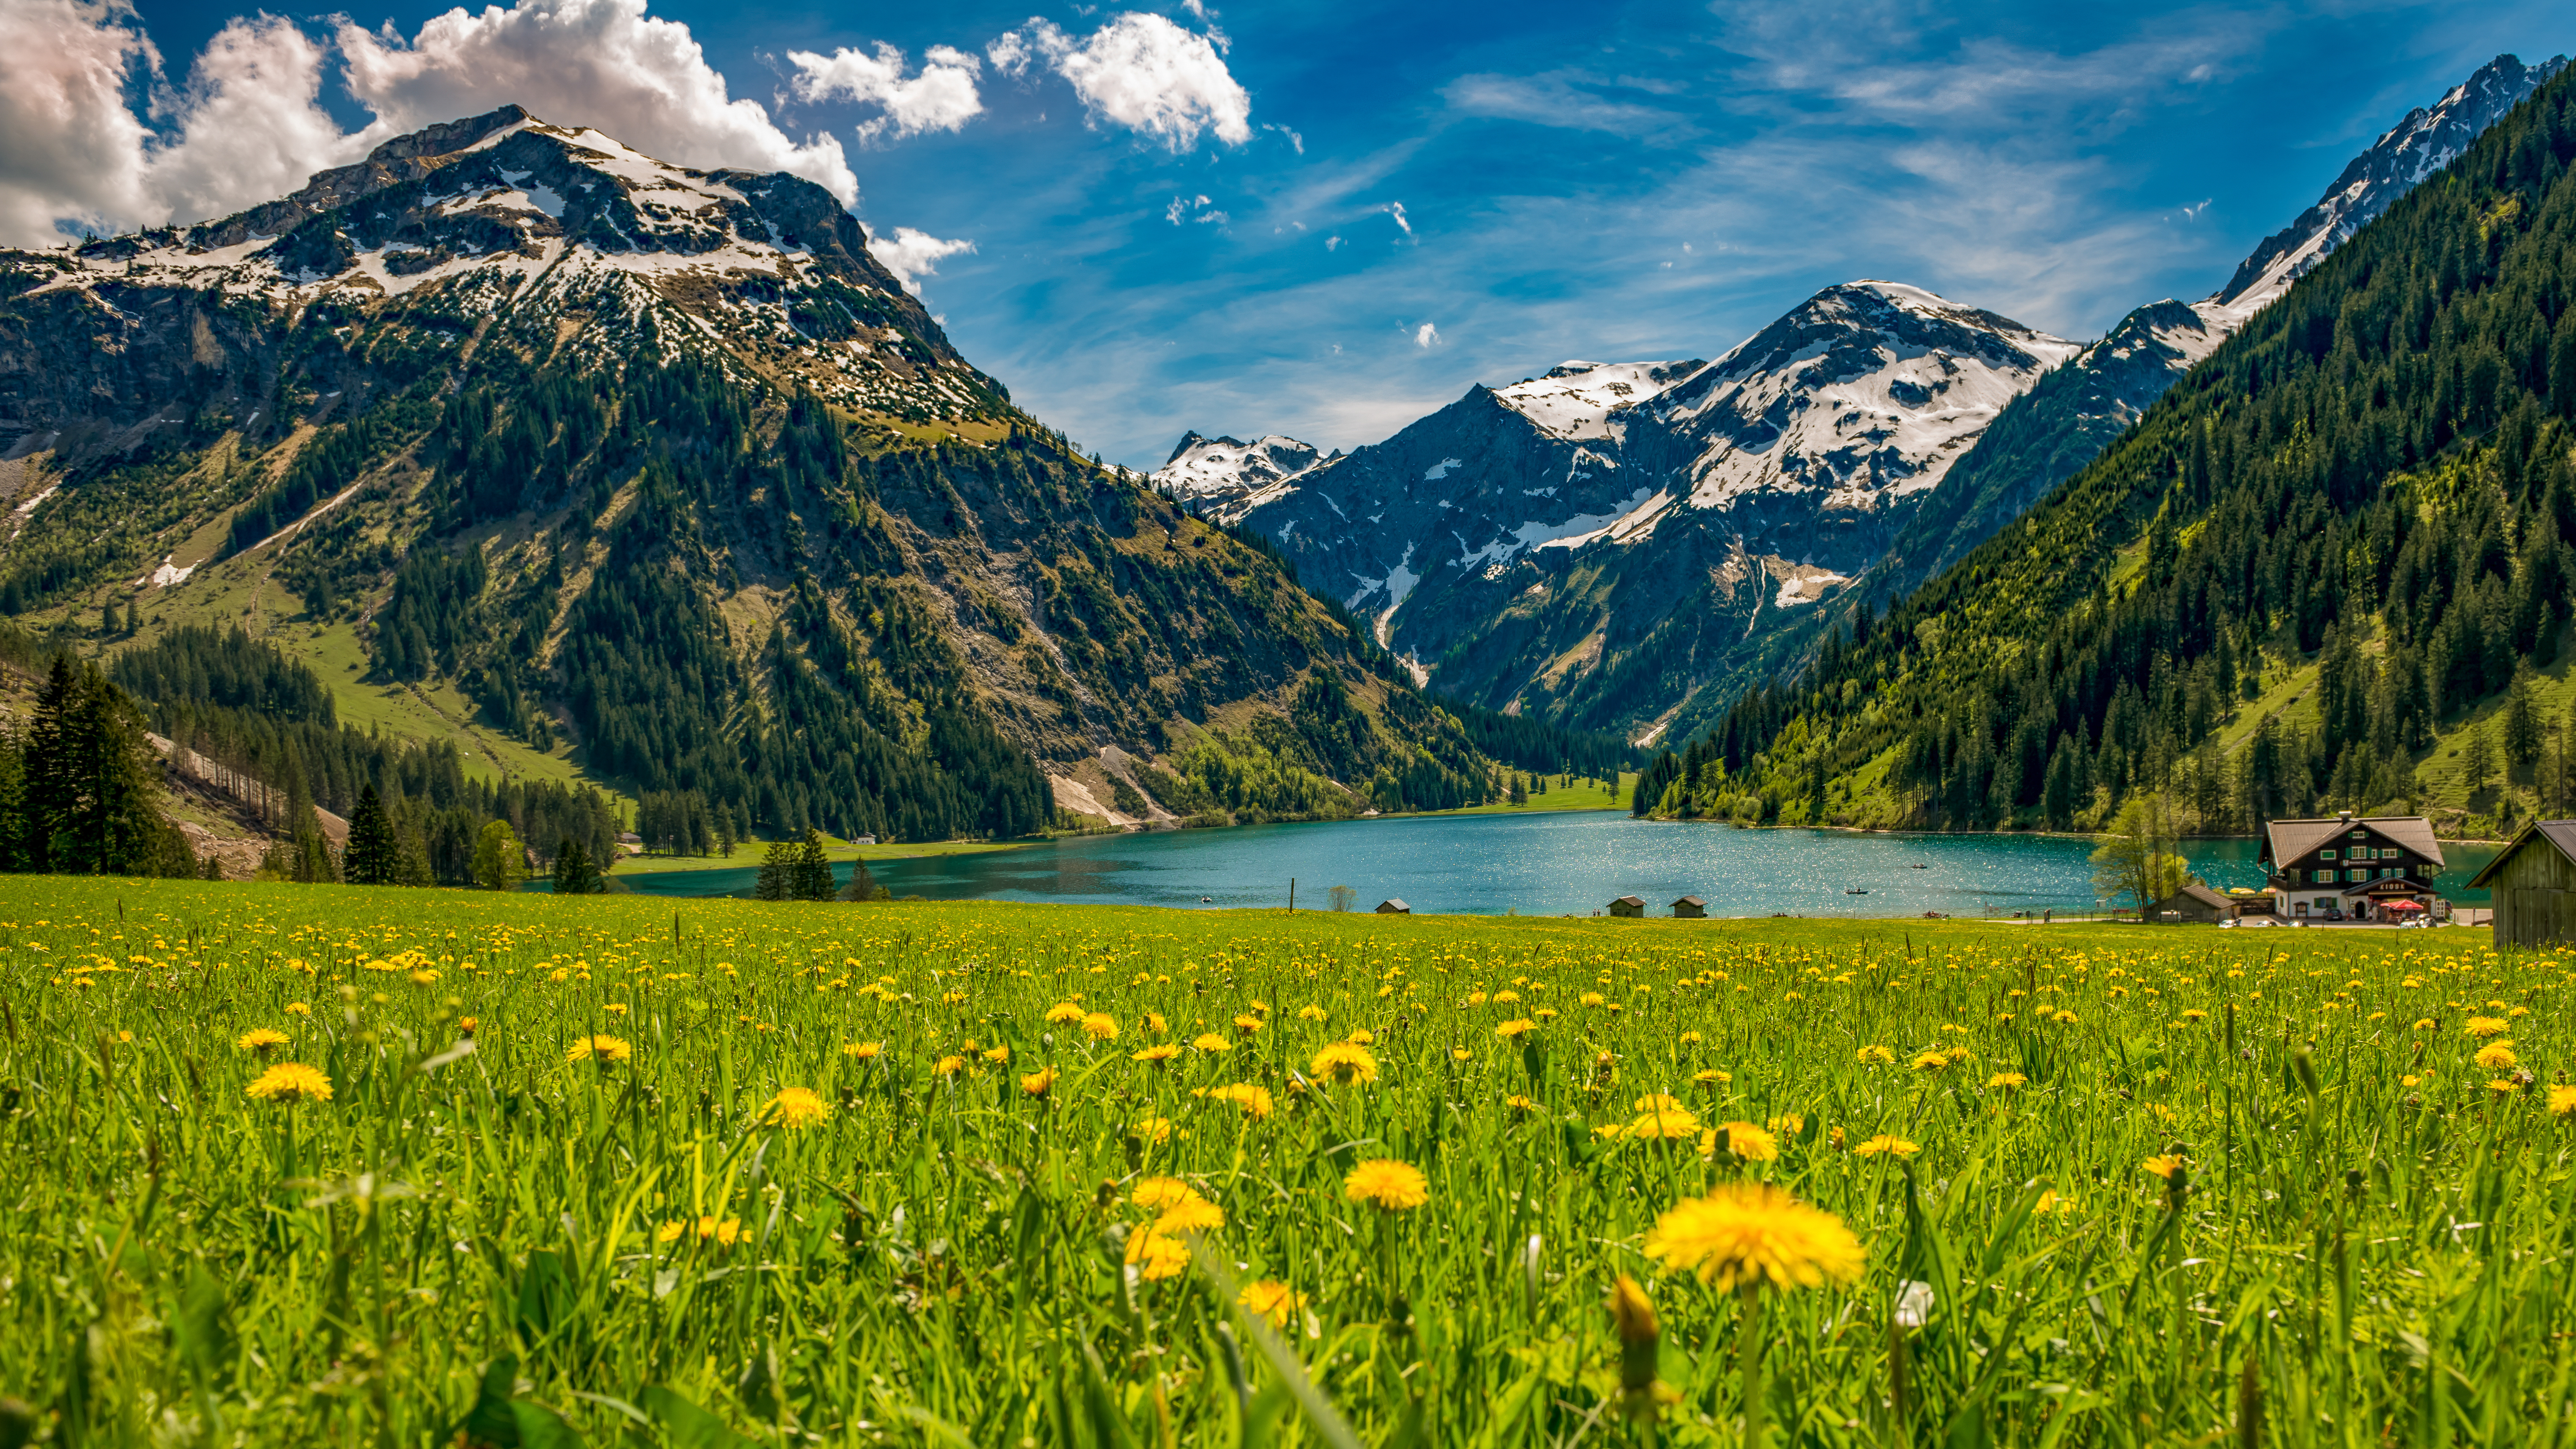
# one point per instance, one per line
(1690, 908)
(1628, 906)
(1393, 907)
(2194, 902)
(2534, 882)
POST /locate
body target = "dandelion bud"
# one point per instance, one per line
(2303, 1065)
(1632, 1317)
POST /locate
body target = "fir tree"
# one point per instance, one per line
(574, 873)
(774, 863)
(89, 779)
(372, 856)
(810, 873)
(2477, 759)
(863, 886)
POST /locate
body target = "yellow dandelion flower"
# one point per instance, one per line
(1387, 1183)
(1064, 1011)
(1193, 1214)
(1886, 1143)
(1521, 1106)
(290, 1082)
(1255, 1101)
(1100, 1026)
(1361, 1036)
(796, 1107)
(1038, 1083)
(1511, 1029)
(723, 1232)
(2483, 1027)
(2007, 1079)
(1153, 1131)
(1209, 1041)
(1156, 1193)
(1154, 1023)
(863, 1050)
(1156, 1257)
(1344, 1063)
(1272, 1300)
(950, 1066)
(1877, 1056)
(1672, 1124)
(1157, 1054)
(2164, 1165)
(261, 1040)
(999, 1055)
(1744, 1142)
(1754, 1233)
(2504, 1086)
(606, 1050)
(1658, 1102)
(1247, 1024)
(2497, 1056)
(2562, 1101)
(1712, 1077)
(298, 1008)
(1310, 1013)
(1930, 1062)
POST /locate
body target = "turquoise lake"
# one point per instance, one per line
(1539, 864)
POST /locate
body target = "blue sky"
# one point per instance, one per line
(1540, 182)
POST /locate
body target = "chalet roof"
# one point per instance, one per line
(1690, 901)
(2287, 840)
(1629, 901)
(1393, 903)
(2561, 834)
(2204, 895)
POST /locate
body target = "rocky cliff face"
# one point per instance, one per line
(660, 458)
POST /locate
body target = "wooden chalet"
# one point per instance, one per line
(1393, 907)
(2534, 882)
(2193, 903)
(1628, 906)
(1690, 908)
(2351, 867)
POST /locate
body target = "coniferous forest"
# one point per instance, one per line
(2374, 482)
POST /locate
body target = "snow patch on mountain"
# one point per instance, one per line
(1234, 475)
(1576, 399)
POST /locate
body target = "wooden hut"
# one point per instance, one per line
(1393, 907)
(1628, 906)
(2534, 881)
(2194, 902)
(1690, 908)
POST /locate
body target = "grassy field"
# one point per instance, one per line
(1581, 795)
(323, 1165)
(748, 853)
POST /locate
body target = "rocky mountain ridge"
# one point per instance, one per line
(664, 466)
(1859, 443)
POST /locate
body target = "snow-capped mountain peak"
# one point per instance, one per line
(2428, 139)
(1234, 475)
(1575, 399)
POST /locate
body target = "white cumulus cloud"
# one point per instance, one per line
(1396, 209)
(245, 124)
(912, 255)
(941, 97)
(1142, 72)
(1426, 335)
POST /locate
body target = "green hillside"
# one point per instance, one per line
(2308, 578)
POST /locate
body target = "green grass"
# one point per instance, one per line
(2368, 1245)
(1582, 795)
(747, 853)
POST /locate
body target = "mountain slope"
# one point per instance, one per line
(1826, 457)
(1590, 546)
(662, 466)
(2044, 437)
(2366, 488)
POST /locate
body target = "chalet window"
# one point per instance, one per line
(2360, 835)
(2324, 877)
(2325, 855)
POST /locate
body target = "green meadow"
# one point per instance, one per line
(349, 1166)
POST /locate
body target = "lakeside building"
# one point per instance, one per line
(2350, 868)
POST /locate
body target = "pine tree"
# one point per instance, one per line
(372, 856)
(772, 885)
(90, 779)
(810, 872)
(574, 873)
(863, 885)
(2521, 723)
(2477, 759)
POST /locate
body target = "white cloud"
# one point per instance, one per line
(1199, 209)
(599, 63)
(1396, 209)
(1142, 72)
(246, 125)
(942, 97)
(1332, 242)
(74, 151)
(1426, 336)
(912, 255)
(1557, 98)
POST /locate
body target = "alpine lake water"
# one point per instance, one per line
(1545, 863)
